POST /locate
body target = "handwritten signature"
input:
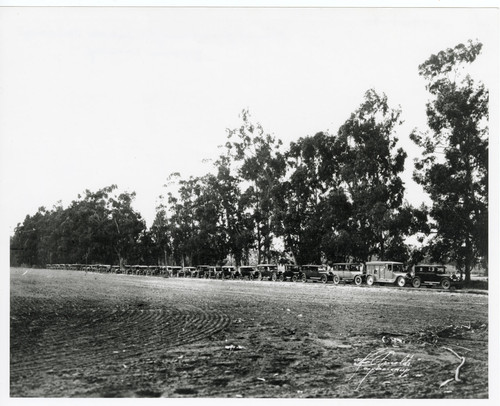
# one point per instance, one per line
(382, 361)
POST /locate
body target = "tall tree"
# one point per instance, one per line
(98, 227)
(262, 168)
(236, 218)
(454, 167)
(311, 210)
(370, 167)
(160, 234)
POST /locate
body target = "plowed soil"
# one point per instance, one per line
(77, 334)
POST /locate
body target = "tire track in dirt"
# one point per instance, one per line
(63, 336)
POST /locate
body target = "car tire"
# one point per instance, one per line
(445, 283)
(358, 280)
(336, 279)
(303, 278)
(324, 279)
(281, 277)
(369, 280)
(416, 282)
(400, 281)
(294, 278)
(274, 277)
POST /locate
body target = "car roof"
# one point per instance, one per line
(383, 262)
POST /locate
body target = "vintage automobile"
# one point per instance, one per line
(247, 272)
(176, 271)
(208, 272)
(203, 271)
(432, 275)
(116, 269)
(227, 272)
(141, 269)
(385, 272)
(288, 272)
(266, 271)
(190, 272)
(163, 271)
(313, 272)
(348, 272)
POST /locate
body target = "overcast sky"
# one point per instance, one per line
(95, 96)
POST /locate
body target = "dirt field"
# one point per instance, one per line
(74, 334)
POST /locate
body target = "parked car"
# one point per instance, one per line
(203, 271)
(266, 271)
(209, 271)
(162, 270)
(313, 272)
(386, 272)
(227, 272)
(247, 272)
(288, 272)
(177, 271)
(190, 272)
(432, 275)
(347, 272)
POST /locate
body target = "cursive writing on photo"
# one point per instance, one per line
(384, 362)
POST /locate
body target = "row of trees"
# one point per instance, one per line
(327, 197)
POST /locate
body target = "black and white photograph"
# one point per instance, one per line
(249, 201)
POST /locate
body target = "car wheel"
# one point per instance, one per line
(416, 282)
(281, 278)
(358, 280)
(324, 279)
(294, 278)
(303, 278)
(400, 281)
(370, 280)
(274, 278)
(445, 283)
(336, 279)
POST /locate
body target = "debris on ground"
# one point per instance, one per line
(234, 347)
(392, 340)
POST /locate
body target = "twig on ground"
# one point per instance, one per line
(458, 368)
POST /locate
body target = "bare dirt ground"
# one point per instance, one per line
(74, 334)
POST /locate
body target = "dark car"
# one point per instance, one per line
(266, 271)
(190, 272)
(313, 272)
(203, 271)
(288, 272)
(227, 272)
(247, 272)
(347, 272)
(209, 271)
(176, 271)
(432, 275)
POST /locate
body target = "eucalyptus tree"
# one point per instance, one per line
(97, 227)
(160, 234)
(182, 221)
(370, 165)
(454, 166)
(261, 167)
(312, 210)
(236, 219)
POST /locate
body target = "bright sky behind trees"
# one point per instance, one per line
(91, 97)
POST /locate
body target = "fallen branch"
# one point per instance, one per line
(457, 379)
